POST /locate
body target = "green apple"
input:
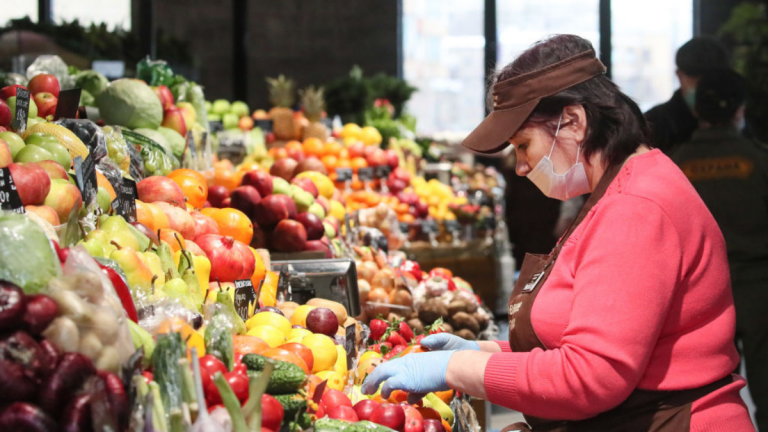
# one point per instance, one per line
(302, 198)
(230, 121)
(317, 209)
(32, 153)
(208, 106)
(52, 145)
(14, 142)
(102, 199)
(280, 186)
(11, 102)
(214, 117)
(220, 106)
(239, 108)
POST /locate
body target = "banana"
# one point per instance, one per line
(442, 408)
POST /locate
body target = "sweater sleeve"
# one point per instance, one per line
(625, 268)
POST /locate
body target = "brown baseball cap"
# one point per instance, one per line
(514, 99)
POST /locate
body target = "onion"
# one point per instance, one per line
(370, 270)
(363, 287)
(384, 278)
(227, 260)
(401, 297)
(377, 295)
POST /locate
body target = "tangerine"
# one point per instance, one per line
(294, 145)
(151, 216)
(343, 163)
(234, 223)
(344, 154)
(260, 271)
(313, 147)
(192, 184)
(358, 163)
(332, 148)
(329, 161)
(173, 238)
(225, 177)
(278, 153)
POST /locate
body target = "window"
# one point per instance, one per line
(18, 9)
(521, 23)
(113, 13)
(443, 56)
(645, 38)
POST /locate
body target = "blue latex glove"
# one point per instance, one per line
(448, 342)
(417, 374)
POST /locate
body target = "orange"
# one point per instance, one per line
(300, 350)
(192, 184)
(407, 218)
(344, 154)
(209, 211)
(294, 145)
(329, 161)
(234, 223)
(332, 148)
(225, 177)
(402, 208)
(286, 356)
(260, 272)
(103, 182)
(225, 163)
(343, 163)
(358, 163)
(173, 238)
(244, 344)
(151, 216)
(278, 153)
(313, 147)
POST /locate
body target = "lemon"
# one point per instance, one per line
(337, 210)
(297, 333)
(351, 130)
(350, 141)
(335, 380)
(272, 336)
(323, 350)
(270, 319)
(367, 355)
(323, 184)
(299, 316)
(340, 366)
(370, 136)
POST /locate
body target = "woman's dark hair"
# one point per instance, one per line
(719, 95)
(615, 125)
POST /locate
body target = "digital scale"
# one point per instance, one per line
(331, 279)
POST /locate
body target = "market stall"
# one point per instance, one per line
(173, 264)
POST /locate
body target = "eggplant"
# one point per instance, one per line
(15, 384)
(25, 417)
(118, 400)
(22, 348)
(12, 305)
(74, 369)
(77, 416)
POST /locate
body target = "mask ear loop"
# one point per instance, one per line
(555, 139)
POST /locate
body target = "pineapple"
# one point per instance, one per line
(281, 96)
(314, 105)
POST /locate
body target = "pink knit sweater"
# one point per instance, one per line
(640, 297)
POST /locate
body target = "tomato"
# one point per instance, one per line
(239, 384)
(147, 376)
(271, 412)
(210, 364)
(333, 398)
(302, 351)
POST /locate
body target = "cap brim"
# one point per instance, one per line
(493, 134)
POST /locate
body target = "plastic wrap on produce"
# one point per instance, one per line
(465, 418)
(136, 166)
(54, 65)
(109, 169)
(117, 148)
(91, 319)
(89, 133)
(27, 257)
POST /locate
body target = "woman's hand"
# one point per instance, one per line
(417, 374)
(448, 342)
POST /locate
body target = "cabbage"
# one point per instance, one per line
(27, 257)
(91, 81)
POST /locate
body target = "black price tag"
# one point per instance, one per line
(85, 177)
(451, 225)
(266, 125)
(125, 201)
(350, 345)
(22, 109)
(343, 174)
(382, 171)
(69, 101)
(244, 297)
(365, 174)
(215, 126)
(9, 196)
(319, 390)
(428, 227)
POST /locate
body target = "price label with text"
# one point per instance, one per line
(22, 110)
(125, 201)
(350, 345)
(428, 227)
(85, 176)
(451, 225)
(9, 196)
(382, 171)
(67, 104)
(404, 227)
(365, 174)
(244, 297)
(343, 174)
(265, 125)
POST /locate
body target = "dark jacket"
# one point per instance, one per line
(672, 123)
(730, 173)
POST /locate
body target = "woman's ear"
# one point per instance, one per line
(575, 121)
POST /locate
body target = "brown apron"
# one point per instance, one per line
(643, 410)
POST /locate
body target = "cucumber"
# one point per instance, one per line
(292, 404)
(165, 367)
(218, 342)
(287, 377)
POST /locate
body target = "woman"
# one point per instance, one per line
(628, 324)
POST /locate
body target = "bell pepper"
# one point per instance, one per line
(122, 291)
(202, 268)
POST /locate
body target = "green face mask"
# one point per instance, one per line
(689, 96)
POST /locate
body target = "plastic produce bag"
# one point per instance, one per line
(187, 91)
(91, 319)
(117, 148)
(111, 171)
(54, 65)
(27, 257)
(154, 72)
(90, 134)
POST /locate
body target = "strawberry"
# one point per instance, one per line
(382, 348)
(378, 328)
(395, 351)
(436, 327)
(405, 331)
(396, 339)
(417, 340)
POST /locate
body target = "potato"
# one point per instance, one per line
(463, 320)
(466, 334)
(457, 306)
(337, 308)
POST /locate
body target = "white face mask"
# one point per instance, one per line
(560, 186)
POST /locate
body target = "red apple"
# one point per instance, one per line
(178, 218)
(44, 83)
(63, 198)
(260, 238)
(306, 184)
(283, 168)
(160, 188)
(203, 224)
(356, 150)
(46, 213)
(164, 94)
(319, 246)
(310, 164)
(423, 208)
(54, 170)
(365, 408)
(375, 157)
(5, 114)
(402, 174)
(9, 91)
(289, 236)
(173, 118)
(391, 157)
(295, 154)
(290, 205)
(343, 412)
(46, 104)
(270, 211)
(217, 194)
(414, 421)
(312, 224)
(31, 181)
(5, 154)
(395, 185)
(323, 201)
(245, 199)
(389, 415)
(432, 425)
(259, 179)
(226, 203)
